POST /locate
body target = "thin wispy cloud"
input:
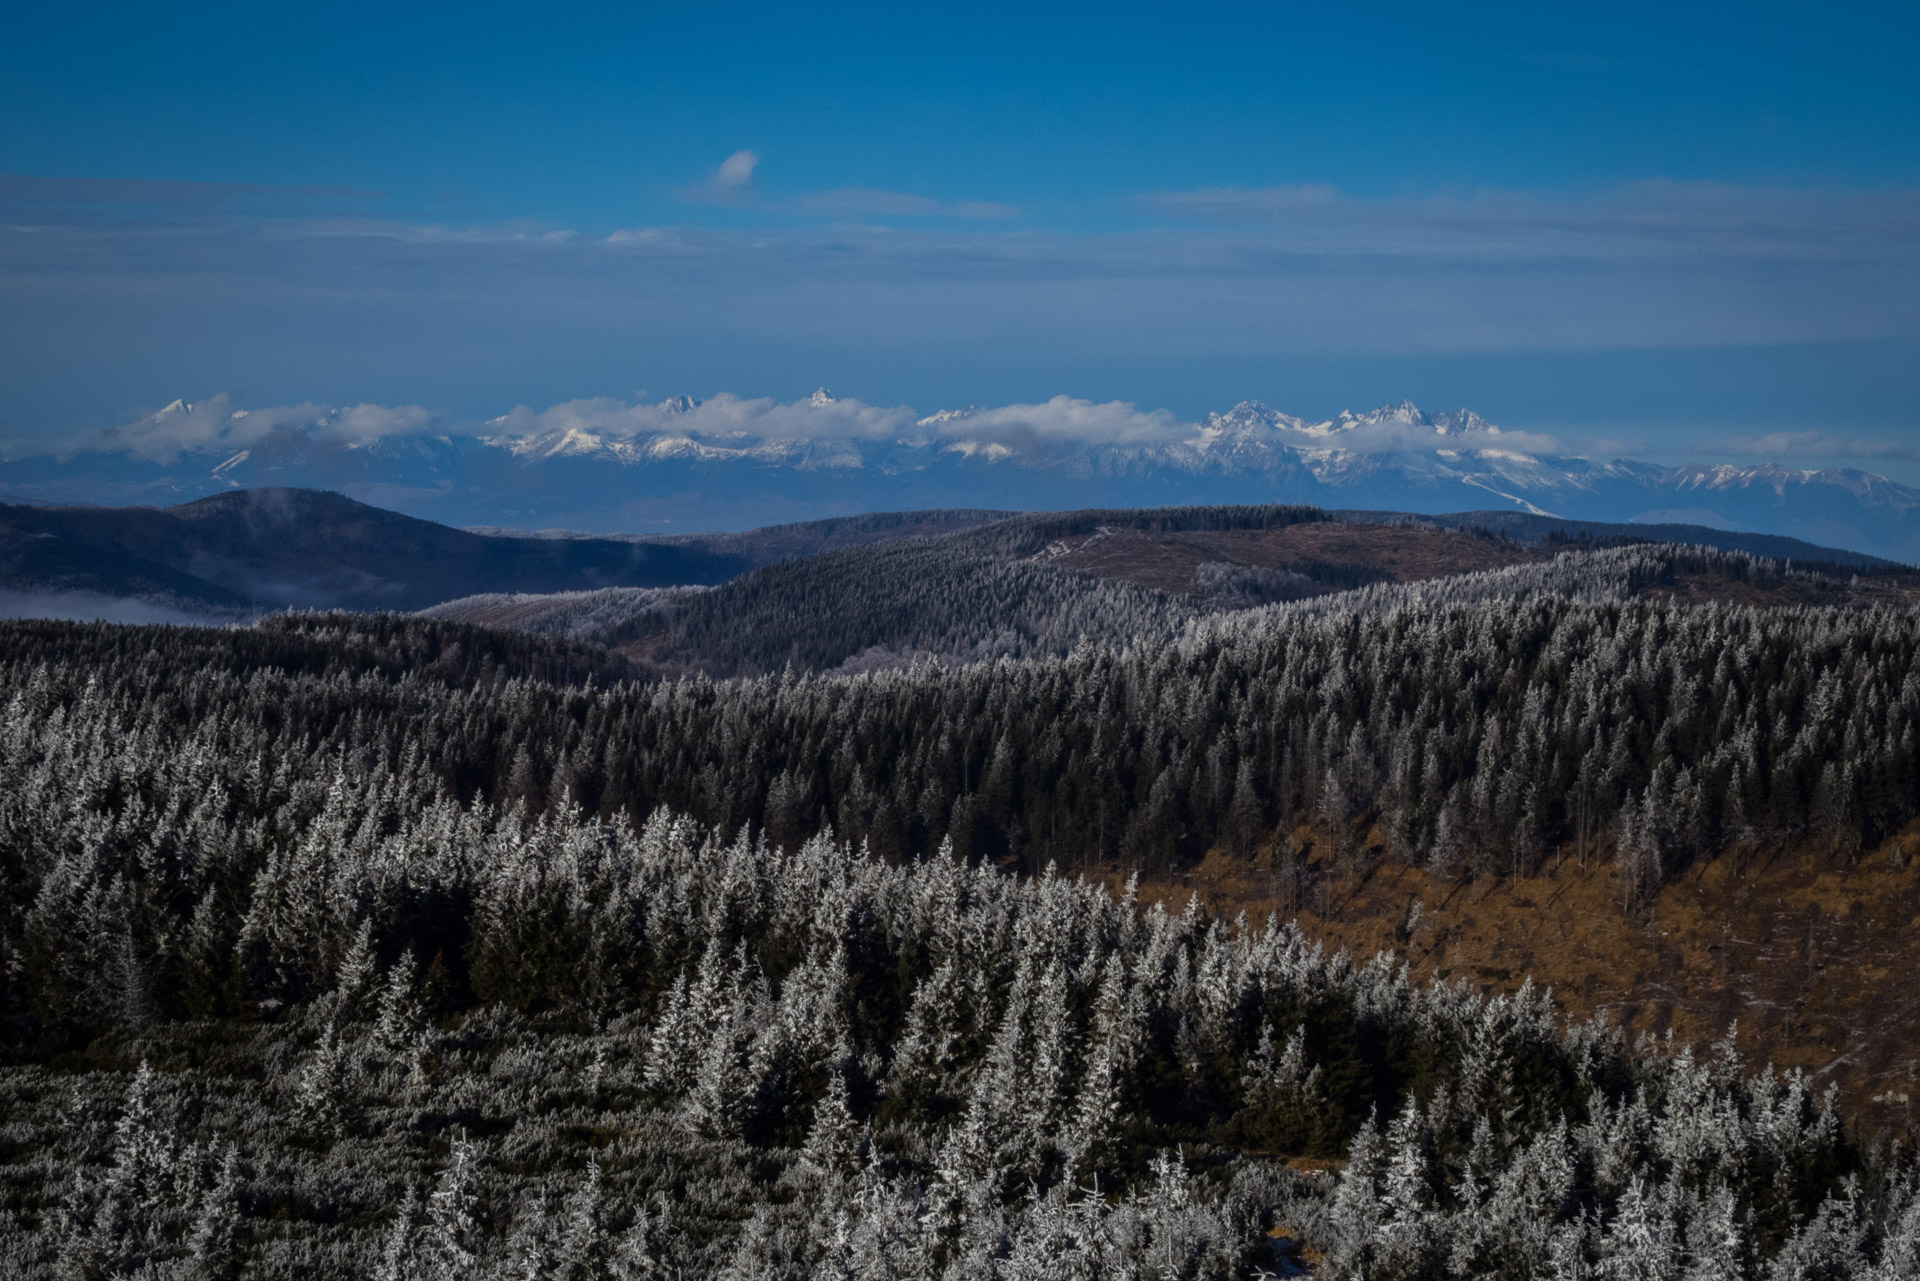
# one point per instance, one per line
(29, 190)
(509, 231)
(1652, 221)
(864, 202)
(639, 236)
(733, 184)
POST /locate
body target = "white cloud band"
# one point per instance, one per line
(214, 424)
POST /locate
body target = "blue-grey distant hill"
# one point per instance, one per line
(264, 548)
(237, 554)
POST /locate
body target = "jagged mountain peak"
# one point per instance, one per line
(1460, 422)
(1251, 416)
(1406, 412)
(1253, 409)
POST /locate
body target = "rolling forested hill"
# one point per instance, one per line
(360, 945)
(235, 555)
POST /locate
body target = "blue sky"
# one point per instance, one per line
(1667, 230)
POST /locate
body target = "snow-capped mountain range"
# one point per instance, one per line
(683, 465)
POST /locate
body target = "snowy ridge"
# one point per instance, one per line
(684, 464)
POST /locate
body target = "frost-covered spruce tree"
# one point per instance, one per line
(213, 1246)
(448, 1249)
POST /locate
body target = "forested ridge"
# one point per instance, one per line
(377, 946)
(1533, 708)
(965, 597)
(999, 590)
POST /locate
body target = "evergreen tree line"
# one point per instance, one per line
(1476, 725)
(1538, 708)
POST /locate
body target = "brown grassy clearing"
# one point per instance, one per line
(1817, 958)
(1167, 561)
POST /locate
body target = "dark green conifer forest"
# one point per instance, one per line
(347, 945)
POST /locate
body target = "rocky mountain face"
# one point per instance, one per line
(675, 469)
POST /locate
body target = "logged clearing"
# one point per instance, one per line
(1338, 555)
(1892, 590)
(1817, 958)
(1388, 553)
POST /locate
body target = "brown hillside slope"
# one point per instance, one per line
(1339, 555)
(1167, 561)
(1879, 589)
(1816, 958)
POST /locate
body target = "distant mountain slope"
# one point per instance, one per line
(772, 543)
(281, 547)
(593, 616)
(976, 594)
(1043, 582)
(39, 555)
(671, 468)
(1530, 528)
